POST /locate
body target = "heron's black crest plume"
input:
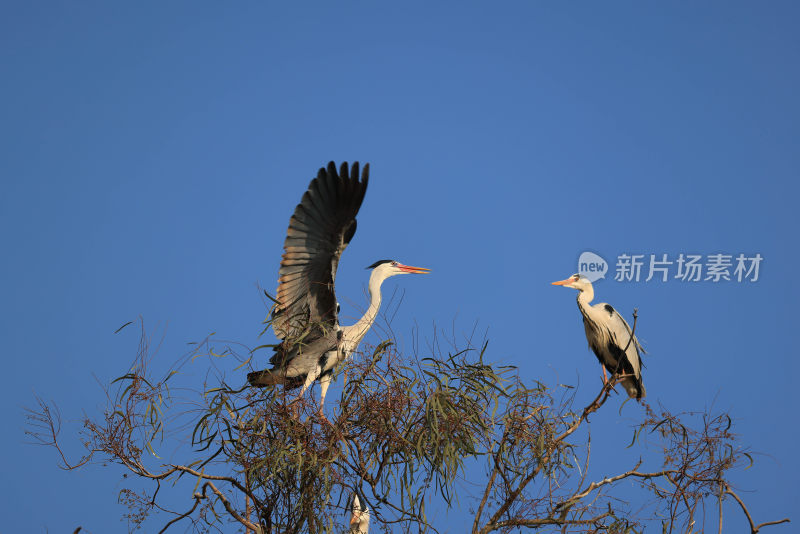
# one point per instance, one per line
(379, 262)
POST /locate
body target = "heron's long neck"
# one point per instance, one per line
(360, 328)
(586, 296)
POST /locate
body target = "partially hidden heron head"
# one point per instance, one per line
(576, 281)
(387, 268)
(359, 520)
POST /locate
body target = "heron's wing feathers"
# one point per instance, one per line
(319, 230)
(292, 362)
(300, 358)
(621, 330)
(622, 336)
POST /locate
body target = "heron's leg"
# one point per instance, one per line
(310, 377)
(324, 383)
(605, 377)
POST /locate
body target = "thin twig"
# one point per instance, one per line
(753, 527)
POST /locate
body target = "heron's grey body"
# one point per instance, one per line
(305, 317)
(318, 354)
(610, 337)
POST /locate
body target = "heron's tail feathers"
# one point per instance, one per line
(274, 377)
(265, 378)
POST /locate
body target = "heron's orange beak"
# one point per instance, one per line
(413, 270)
(563, 282)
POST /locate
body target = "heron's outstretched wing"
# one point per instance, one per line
(319, 230)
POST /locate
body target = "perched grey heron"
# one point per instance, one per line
(359, 520)
(305, 316)
(609, 336)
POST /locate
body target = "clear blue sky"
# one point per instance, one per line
(153, 152)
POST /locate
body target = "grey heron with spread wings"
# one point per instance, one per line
(305, 316)
(609, 336)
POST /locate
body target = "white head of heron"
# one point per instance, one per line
(576, 281)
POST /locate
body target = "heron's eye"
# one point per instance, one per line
(394, 264)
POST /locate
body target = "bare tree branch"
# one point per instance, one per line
(753, 527)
